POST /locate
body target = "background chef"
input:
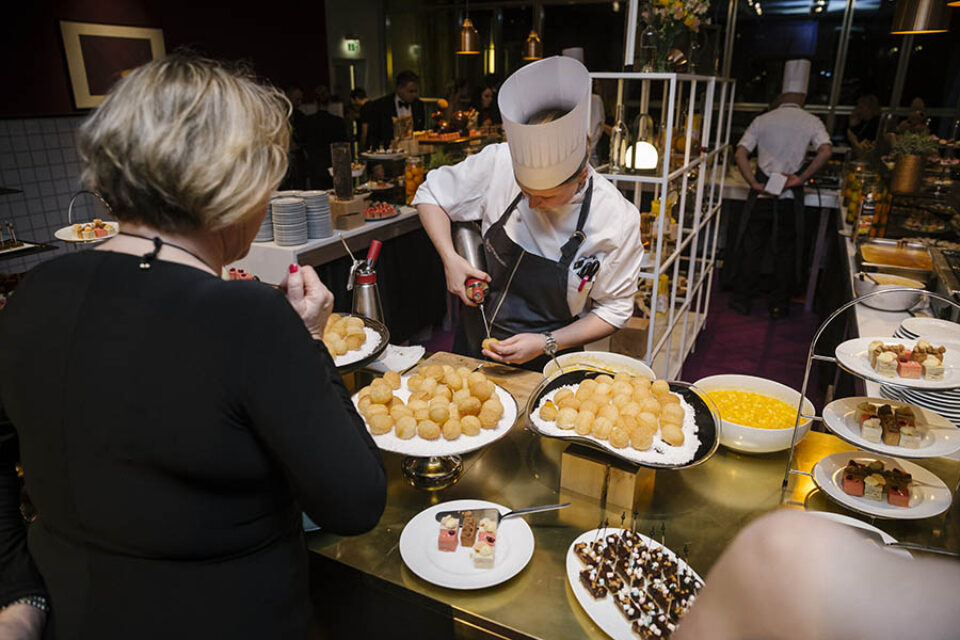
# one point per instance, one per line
(562, 245)
(781, 138)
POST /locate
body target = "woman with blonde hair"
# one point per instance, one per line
(172, 426)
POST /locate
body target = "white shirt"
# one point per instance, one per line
(483, 186)
(782, 137)
(401, 109)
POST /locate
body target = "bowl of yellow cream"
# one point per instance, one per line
(757, 415)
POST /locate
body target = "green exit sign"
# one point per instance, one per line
(352, 45)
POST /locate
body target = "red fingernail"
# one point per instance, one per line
(294, 268)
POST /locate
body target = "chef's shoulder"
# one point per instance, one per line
(607, 198)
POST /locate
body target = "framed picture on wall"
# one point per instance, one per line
(100, 54)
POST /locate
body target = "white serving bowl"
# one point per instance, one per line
(614, 362)
(749, 439)
(899, 301)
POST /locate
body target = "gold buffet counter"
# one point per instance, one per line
(698, 510)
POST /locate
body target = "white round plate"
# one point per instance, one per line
(852, 354)
(454, 569)
(932, 328)
(68, 235)
(420, 448)
(604, 612)
(853, 523)
(940, 436)
(929, 496)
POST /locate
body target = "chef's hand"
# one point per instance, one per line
(793, 180)
(22, 622)
(457, 270)
(312, 301)
(517, 349)
(756, 185)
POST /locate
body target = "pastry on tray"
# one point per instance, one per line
(448, 534)
(886, 364)
(932, 368)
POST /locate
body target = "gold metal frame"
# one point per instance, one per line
(71, 32)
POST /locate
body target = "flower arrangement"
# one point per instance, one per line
(669, 19)
(914, 144)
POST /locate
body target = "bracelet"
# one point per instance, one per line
(551, 347)
(36, 601)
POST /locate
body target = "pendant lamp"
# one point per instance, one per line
(469, 39)
(920, 16)
(533, 47)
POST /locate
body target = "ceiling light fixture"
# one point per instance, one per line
(469, 38)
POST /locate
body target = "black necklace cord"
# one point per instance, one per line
(146, 260)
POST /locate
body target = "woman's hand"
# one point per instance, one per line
(457, 270)
(22, 622)
(517, 349)
(312, 301)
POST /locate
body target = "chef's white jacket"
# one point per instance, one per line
(483, 186)
(782, 137)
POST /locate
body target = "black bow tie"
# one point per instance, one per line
(402, 104)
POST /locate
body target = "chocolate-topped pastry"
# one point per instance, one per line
(590, 578)
(612, 581)
(582, 551)
(468, 529)
(627, 606)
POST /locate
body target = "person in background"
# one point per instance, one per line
(378, 114)
(864, 124)
(562, 244)
(323, 128)
(916, 121)
(485, 102)
(794, 575)
(358, 98)
(182, 423)
(296, 177)
(774, 216)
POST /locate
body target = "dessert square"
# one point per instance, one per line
(910, 437)
(873, 486)
(448, 540)
(871, 430)
(899, 495)
(909, 369)
(887, 364)
(932, 368)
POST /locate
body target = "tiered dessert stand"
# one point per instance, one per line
(832, 425)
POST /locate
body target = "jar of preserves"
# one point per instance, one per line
(413, 176)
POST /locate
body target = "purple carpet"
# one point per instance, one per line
(754, 345)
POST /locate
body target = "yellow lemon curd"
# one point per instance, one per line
(750, 409)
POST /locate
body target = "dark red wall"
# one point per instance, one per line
(285, 40)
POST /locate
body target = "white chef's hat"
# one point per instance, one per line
(544, 155)
(573, 52)
(796, 76)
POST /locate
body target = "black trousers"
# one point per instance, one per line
(771, 221)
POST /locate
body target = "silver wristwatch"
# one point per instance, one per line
(551, 347)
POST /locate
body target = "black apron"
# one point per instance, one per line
(798, 221)
(536, 287)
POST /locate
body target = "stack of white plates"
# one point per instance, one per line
(265, 233)
(289, 221)
(935, 331)
(930, 329)
(317, 204)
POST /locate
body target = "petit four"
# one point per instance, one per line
(887, 364)
(448, 534)
(909, 437)
(909, 369)
(932, 368)
(899, 495)
(873, 486)
(468, 529)
(853, 479)
(870, 430)
(483, 555)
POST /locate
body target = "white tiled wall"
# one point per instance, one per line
(39, 157)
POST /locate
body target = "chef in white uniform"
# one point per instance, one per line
(562, 245)
(774, 208)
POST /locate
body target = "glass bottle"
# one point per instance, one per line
(619, 143)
